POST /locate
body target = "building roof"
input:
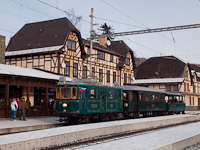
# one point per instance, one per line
(26, 72)
(102, 48)
(195, 67)
(161, 67)
(50, 33)
(121, 48)
(160, 80)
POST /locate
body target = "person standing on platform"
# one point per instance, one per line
(14, 107)
(18, 101)
(22, 106)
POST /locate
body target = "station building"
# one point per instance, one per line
(170, 74)
(55, 47)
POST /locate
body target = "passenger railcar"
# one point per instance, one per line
(175, 103)
(142, 100)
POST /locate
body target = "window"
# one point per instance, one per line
(111, 94)
(193, 100)
(188, 90)
(67, 68)
(102, 93)
(111, 58)
(2, 95)
(190, 101)
(153, 97)
(57, 92)
(185, 87)
(125, 78)
(161, 97)
(100, 75)
(65, 93)
(93, 93)
(74, 93)
(114, 77)
(175, 87)
(75, 70)
(168, 87)
(130, 96)
(127, 61)
(93, 71)
(141, 96)
(100, 55)
(108, 76)
(84, 71)
(129, 79)
(194, 89)
(71, 45)
(147, 97)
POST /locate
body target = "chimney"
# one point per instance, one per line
(2, 49)
(103, 41)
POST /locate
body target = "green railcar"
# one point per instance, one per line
(85, 100)
(175, 103)
(141, 100)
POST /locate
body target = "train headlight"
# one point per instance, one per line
(64, 110)
(64, 105)
(125, 104)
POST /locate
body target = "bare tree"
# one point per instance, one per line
(75, 20)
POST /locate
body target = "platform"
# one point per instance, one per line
(61, 135)
(32, 123)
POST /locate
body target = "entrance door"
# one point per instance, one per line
(82, 102)
(199, 103)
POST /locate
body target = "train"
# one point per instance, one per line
(85, 100)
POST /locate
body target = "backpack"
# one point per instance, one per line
(13, 106)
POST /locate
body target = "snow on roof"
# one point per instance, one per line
(139, 88)
(35, 50)
(160, 80)
(27, 72)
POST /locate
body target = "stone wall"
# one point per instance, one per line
(2, 49)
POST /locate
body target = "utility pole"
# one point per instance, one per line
(91, 37)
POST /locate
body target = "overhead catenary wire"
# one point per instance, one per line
(145, 26)
(31, 8)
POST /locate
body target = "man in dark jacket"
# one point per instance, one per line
(22, 106)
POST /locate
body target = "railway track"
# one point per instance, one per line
(107, 138)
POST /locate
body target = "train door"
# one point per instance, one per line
(82, 102)
(103, 100)
(134, 100)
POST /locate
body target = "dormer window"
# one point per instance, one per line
(71, 45)
(127, 61)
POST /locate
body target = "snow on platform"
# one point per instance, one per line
(31, 121)
(150, 141)
(61, 135)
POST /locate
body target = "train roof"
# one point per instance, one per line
(174, 94)
(139, 88)
(87, 82)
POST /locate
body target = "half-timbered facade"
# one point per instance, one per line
(56, 46)
(170, 74)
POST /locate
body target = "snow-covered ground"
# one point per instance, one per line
(18, 137)
(149, 141)
(31, 121)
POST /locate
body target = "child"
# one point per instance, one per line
(14, 107)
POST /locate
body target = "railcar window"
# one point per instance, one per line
(153, 97)
(74, 92)
(57, 92)
(125, 95)
(65, 93)
(166, 98)
(130, 96)
(141, 96)
(161, 97)
(147, 97)
(111, 93)
(93, 93)
(156, 97)
(102, 93)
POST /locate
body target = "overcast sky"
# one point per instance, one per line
(122, 15)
